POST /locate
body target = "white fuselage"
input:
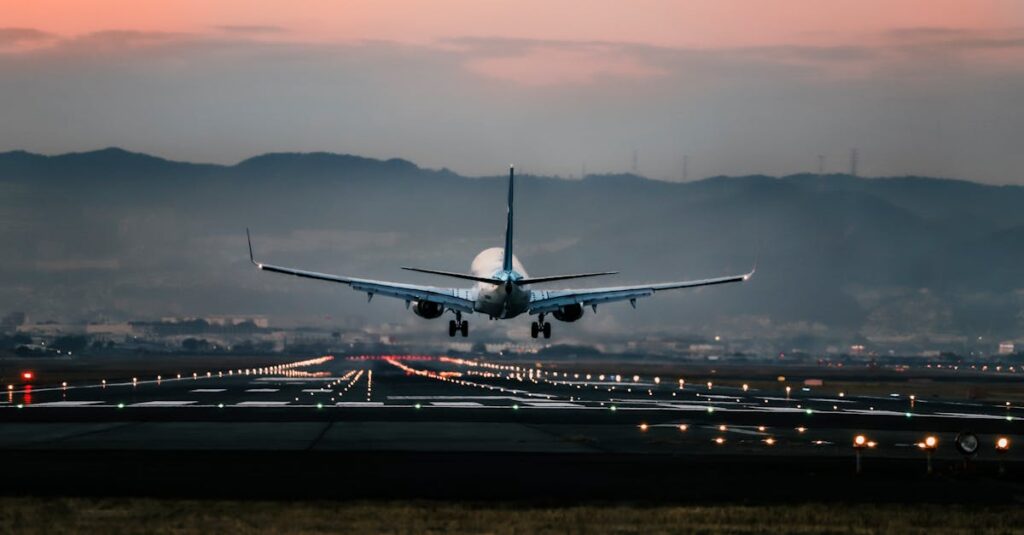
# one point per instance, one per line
(502, 300)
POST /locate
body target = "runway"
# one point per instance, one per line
(401, 415)
(439, 403)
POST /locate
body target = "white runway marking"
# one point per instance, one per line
(163, 403)
(66, 404)
(321, 390)
(262, 390)
(456, 404)
(262, 404)
(878, 412)
(687, 407)
(552, 405)
(832, 400)
(208, 390)
(971, 416)
(360, 404)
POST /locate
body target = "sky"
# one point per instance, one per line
(926, 87)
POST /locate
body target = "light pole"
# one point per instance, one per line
(1002, 446)
(928, 445)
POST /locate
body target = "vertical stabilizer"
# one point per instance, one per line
(507, 263)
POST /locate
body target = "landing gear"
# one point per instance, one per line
(540, 326)
(458, 325)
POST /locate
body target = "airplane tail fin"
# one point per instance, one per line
(507, 262)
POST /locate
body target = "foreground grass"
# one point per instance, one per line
(115, 516)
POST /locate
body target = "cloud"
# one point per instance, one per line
(251, 29)
(17, 37)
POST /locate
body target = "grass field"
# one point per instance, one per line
(127, 515)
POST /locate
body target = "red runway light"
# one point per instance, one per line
(27, 376)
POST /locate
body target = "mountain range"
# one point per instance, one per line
(114, 235)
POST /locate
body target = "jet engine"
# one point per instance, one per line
(428, 309)
(569, 313)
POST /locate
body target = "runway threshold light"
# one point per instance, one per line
(1002, 444)
(27, 375)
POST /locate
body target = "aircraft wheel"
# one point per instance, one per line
(465, 329)
(534, 329)
(547, 330)
(451, 328)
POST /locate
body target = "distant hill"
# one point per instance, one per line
(115, 234)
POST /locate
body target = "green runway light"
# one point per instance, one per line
(20, 406)
(220, 405)
(319, 405)
(711, 409)
(612, 408)
(809, 412)
(418, 405)
(908, 414)
(515, 407)
(120, 405)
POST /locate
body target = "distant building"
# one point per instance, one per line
(1006, 348)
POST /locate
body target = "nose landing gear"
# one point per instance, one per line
(458, 325)
(540, 327)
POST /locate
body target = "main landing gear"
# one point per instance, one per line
(540, 326)
(458, 325)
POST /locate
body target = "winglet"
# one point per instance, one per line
(251, 257)
(754, 268)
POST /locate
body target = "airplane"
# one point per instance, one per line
(502, 289)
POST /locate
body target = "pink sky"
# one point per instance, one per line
(744, 86)
(719, 23)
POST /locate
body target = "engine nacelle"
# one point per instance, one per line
(428, 309)
(569, 313)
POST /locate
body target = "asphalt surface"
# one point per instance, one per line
(486, 428)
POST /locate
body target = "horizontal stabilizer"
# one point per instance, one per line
(537, 280)
(452, 274)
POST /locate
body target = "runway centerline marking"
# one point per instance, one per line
(262, 403)
(208, 390)
(263, 390)
(162, 403)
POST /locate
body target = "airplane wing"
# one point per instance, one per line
(543, 301)
(455, 298)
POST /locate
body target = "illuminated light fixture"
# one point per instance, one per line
(769, 441)
(418, 406)
(27, 376)
(746, 387)
(120, 405)
(719, 440)
(643, 427)
(801, 429)
(612, 408)
(1002, 444)
(761, 428)
(860, 441)
(683, 427)
(722, 428)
